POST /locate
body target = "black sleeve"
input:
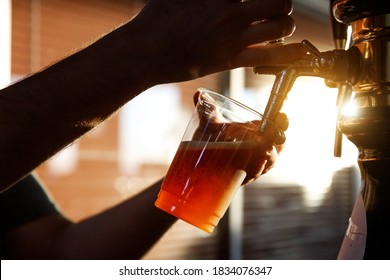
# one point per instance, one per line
(24, 202)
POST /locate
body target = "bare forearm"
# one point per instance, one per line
(49, 110)
(126, 231)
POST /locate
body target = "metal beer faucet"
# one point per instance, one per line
(337, 67)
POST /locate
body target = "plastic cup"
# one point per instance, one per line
(221, 149)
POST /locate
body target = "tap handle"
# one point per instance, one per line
(323, 59)
(311, 49)
(343, 97)
(340, 35)
(339, 30)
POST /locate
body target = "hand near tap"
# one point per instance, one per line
(216, 36)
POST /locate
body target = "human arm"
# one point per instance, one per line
(126, 231)
(168, 41)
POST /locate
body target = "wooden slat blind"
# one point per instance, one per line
(279, 225)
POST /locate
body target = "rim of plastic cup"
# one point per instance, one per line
(253, 111)
(230, 100)
(243, 106)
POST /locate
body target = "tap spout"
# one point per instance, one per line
(340, 66)
(283, 83)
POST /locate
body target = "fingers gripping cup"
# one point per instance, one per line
(221, 150)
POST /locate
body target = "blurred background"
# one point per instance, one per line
(299, 210)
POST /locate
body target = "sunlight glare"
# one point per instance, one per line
(349, 109)
(307, 158)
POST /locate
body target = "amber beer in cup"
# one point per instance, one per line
(221, 150)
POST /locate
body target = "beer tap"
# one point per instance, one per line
(340, 38)
(363, 67)
(338, 66)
